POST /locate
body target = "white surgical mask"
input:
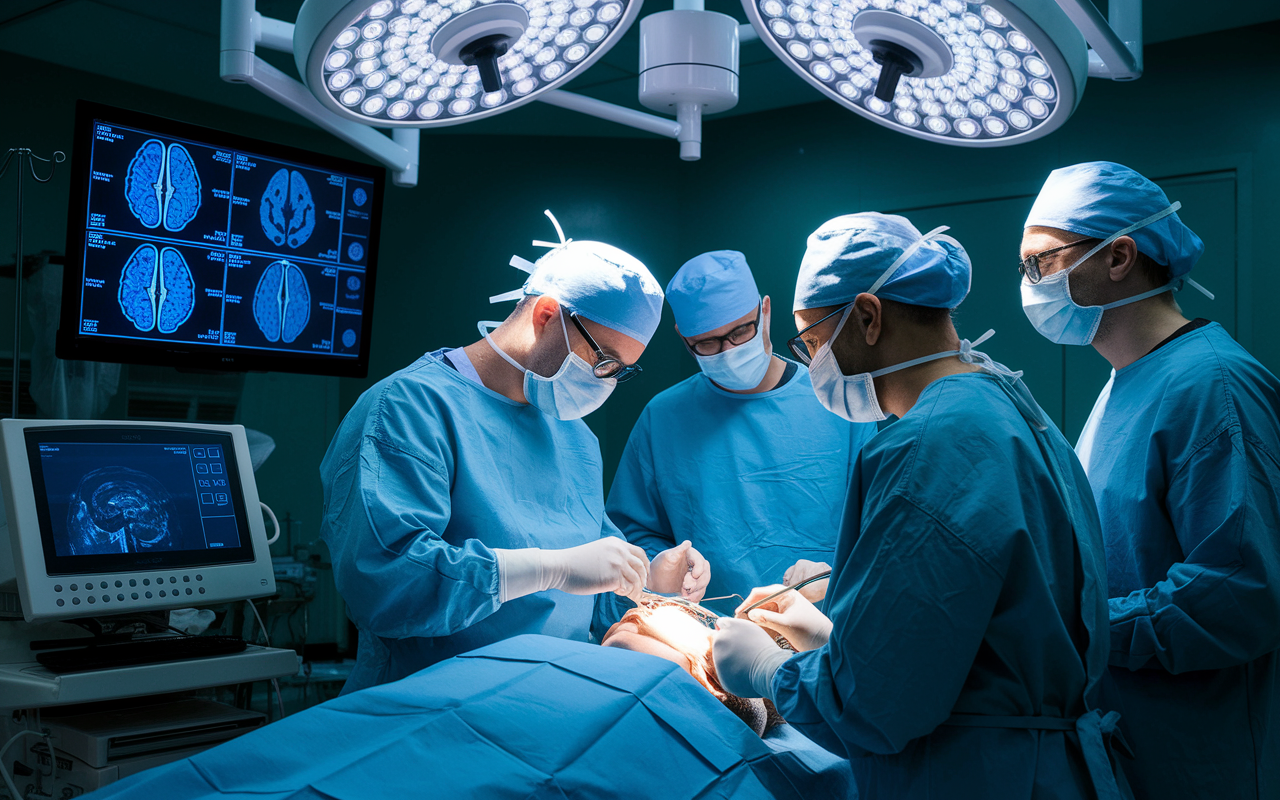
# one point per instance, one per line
(740, 367)
(572, 393)
(1051, 309)
(854, 396)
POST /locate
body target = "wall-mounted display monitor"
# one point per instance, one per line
(194, 248)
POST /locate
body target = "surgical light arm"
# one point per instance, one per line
(1115, 44)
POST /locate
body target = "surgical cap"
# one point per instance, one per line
(848, 254)
(603, 284)
(712, 290)
(1100, 198)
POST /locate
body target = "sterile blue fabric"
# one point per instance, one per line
(1183, 452)
(848, 254)
(755, 481)
(969, 580)
(1098, 198)
(603, 284)
(529, 717)
(430, 471)
(712, 290)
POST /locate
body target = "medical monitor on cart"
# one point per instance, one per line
(107, 518)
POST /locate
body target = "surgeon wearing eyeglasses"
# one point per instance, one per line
(1183, 452)
(737, 459)
(966, 626)
(463, 496)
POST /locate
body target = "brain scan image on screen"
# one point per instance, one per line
(287, 211)
(156, 289)
(360, 196)
(162, 186)
(121, 510)
(353, 283)
(355, 251)
(348, 338)
(282, 302)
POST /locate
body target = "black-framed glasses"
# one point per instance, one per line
(606, 366)
(739, 335)
(1029, 267)
(796, 344)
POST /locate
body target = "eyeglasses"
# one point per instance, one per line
(1029, 267)
(606, 366)
(739, 335)
(796, 344)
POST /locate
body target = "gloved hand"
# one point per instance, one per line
(791, 615)
(608, 564)
(745, 657)
(681, 569)
(803, 570)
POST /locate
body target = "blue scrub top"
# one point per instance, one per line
(969, 581)
(1183, 451)
(755, 481)
(530, 717)
(427, 473)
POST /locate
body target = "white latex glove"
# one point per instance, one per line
(745, 657)
(791, 615)
(608, 564)
(803, 570)
(680, 570)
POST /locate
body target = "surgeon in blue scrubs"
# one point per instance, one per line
(735, 459)
(1183, 452)
(463, 495)
(967, 630)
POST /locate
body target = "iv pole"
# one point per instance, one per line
(23, 153)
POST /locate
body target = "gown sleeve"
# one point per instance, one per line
(911, 606)
(397, 575)
(635, 505)
(1220, 606)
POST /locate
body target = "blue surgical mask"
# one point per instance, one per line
(1052, 311)
(572, 393)
(739, 368)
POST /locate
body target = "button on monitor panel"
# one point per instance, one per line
(237, 252)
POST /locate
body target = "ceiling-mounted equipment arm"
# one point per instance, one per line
(243, 29)
(1116, 43)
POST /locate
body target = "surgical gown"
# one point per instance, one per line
(755, 481)
(969, 610)
(430, 471)
(1183, 451)
(530, 717)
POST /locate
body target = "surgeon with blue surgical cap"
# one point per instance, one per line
(463, 498)
(966, 631)
(1183, 452)
(736, 459)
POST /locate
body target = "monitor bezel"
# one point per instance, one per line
(71, 344)
(65, 566)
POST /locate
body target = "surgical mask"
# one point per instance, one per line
(572, 393)
(739, 368)
(854, 396)
(1052, 311)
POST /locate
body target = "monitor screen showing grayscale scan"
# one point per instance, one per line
(190, 247)
(114, 517)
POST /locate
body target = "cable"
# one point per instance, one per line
(274, 522)
(4, 771)
(267, 638)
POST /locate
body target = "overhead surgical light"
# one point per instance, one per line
(421, 63)
(975, 74)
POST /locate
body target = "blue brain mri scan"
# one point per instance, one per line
(162, 186)
(282, 302)
(287, 211)
(156, 289)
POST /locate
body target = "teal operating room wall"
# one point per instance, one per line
(1208, 131)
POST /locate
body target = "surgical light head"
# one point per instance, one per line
(712, 290)
(977, 74)
(886, 255)
(416, 63)
(1099, 198)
